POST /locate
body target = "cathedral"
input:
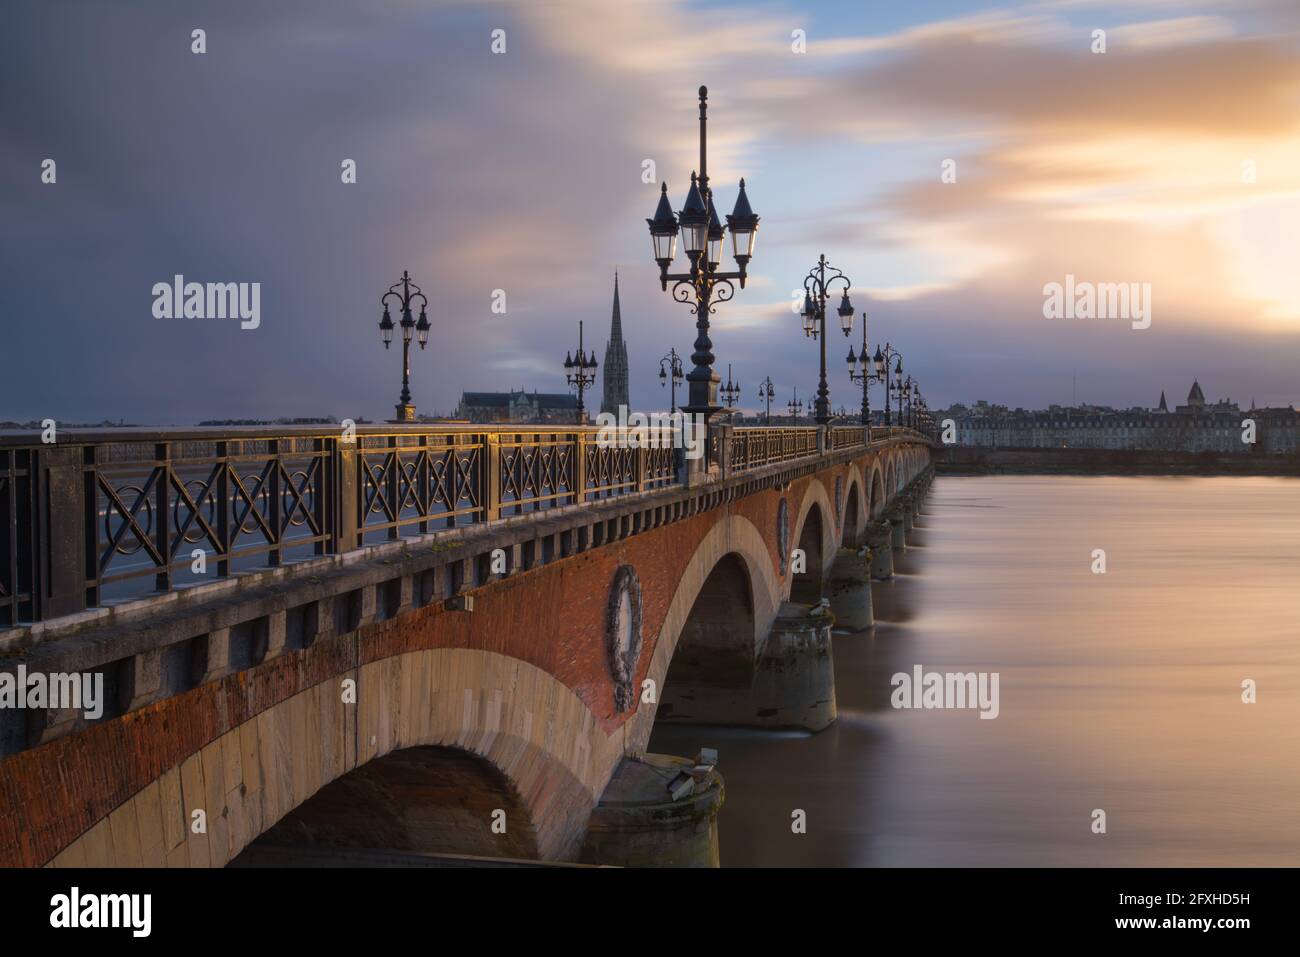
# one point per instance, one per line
(615, 373)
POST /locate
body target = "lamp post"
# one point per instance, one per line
(882, 359)
(906, 397)
(817, 288)
(766, 393)
(410, 327)
(897, 385)
(580, 373)
(672, 373)
(795, 407)
(704, 286)
(730, 391)
(862, 369)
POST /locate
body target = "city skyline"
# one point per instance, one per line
(522, 171)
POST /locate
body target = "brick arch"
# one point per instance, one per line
(856, 492)
(524, 722)
(878, 492)
(815, 494)
(731, 535)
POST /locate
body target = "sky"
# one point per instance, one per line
(1171, 160)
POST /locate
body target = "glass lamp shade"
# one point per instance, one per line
(408, 325)
(694, 221)
(386, 328)
(694, 236)
(663, 229)
(744, 227)
(665, 245)
(845, 313)
(715, 249)
(716, 236)
(853, 362)
(422, 328)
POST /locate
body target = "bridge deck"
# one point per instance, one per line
(105, 516)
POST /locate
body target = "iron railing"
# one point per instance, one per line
(113, 514)
(756, 447)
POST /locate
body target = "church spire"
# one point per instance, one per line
(615, 392)
(616, 325)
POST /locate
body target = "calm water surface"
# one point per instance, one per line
(1119, 691)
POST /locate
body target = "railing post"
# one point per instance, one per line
(392, 467)
(61, 532)
(346, 507)
(725, 430)
(275, 505)
(492, 476)
(580, 467)
(320, 504)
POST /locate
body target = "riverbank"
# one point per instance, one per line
(1067, 461)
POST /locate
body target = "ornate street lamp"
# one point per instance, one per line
(862, 369)
(795, 407)
(580, 373)
(766, 393)
(882, 360)
(703, 287)
(410, 328)
(673, 372)
(817, 288)
(730, 391)
(897, 385)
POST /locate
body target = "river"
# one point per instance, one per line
(1119, 692)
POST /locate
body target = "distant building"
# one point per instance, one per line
(524, 407)
(615, 373)
(1197, 426)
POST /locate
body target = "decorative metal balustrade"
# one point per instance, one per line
(845, 437)
(111, 515)
(755, 447)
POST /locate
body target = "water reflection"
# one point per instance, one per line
(1118, 691)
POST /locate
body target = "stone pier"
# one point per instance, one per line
(849, 588)
(794, 678)
(879, 537)
(639, 823)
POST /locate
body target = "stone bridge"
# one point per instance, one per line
(451, 641)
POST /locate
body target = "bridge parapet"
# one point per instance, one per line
(105, 516)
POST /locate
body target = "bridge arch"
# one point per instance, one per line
(814, 532)
(534, 731)
(735, 540)
(423, 799)
(853, 512)
(876, 498)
